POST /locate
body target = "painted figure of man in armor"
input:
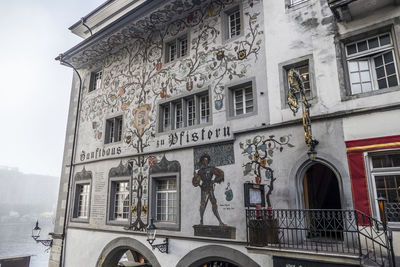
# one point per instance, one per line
(206, 177)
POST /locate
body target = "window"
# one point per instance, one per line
(185, 112)
(95, 80)
(178, 115)
(82, 201)
(233, 23)
(305, 67)
(385, 181)
(119, 208)
(176, 48)
(113, 130)
(243, 99)
(293, 3)
(204, 109)
(191, 112)
(166, 200)
(371, 64)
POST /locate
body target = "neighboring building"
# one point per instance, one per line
(179, 113)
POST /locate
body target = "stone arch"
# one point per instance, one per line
(304, 163)
(204, 254)
(114, 250)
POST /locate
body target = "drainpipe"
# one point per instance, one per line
(63, 243)
(83, 20)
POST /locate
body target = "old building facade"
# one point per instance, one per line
(179, 113)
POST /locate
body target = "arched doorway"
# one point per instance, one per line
(322, 201)
(125, 251)
(216, 256)
(321, 188)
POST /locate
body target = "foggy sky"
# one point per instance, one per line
(34, 88)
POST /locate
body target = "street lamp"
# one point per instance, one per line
(36, 234)
(151, 237)
(382, 209)
(296, 86)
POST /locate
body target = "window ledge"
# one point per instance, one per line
(372, 93)
(177, 60)
(79, 220)
(242, 116)
(118, 223)
(295, 7)
(167, 226)
(196, 126)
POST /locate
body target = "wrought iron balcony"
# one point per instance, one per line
(348, 232)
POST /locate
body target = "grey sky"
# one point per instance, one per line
(34, 88)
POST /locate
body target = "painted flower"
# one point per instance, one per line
(249, 150)
(268, 174)
(99, 135)
(211, 12)
(121, 91)
(263, 162)
(263, 147)
(256, 156)
(258, 180)
(152, 161)
(163, 93)
(159, 66)
(124, 106)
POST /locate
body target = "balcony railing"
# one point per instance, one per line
(348, 232)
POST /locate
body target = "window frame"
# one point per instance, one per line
(284, 69)
(120, 126)
(178, 46)
(368, 32)
(93, 83)
(225, 19)
(230, 104)
(75, 207)
(369, 56)
(111, 201)
(183, 101)
(173, 226)
(372, 173)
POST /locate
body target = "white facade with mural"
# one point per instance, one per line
(179, 113)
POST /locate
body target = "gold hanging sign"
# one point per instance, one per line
(296, 88)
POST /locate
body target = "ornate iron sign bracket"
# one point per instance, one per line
(296, 87)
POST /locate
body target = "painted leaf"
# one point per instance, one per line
(269, 161)
(270, 152)
(282, 139)
(290, 145)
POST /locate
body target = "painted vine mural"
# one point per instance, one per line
(260, 151)
(135, 76)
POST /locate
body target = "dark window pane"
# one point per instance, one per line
(390, 69)
(392, 195)
(382, 83)
(351, 49)
(392, 80)
(380, 72)
(389, 181)
(379, 181)
(384, 161)
(378, 61)
(385, 39)
(372, 43)
(362, 46)
(388, 57)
